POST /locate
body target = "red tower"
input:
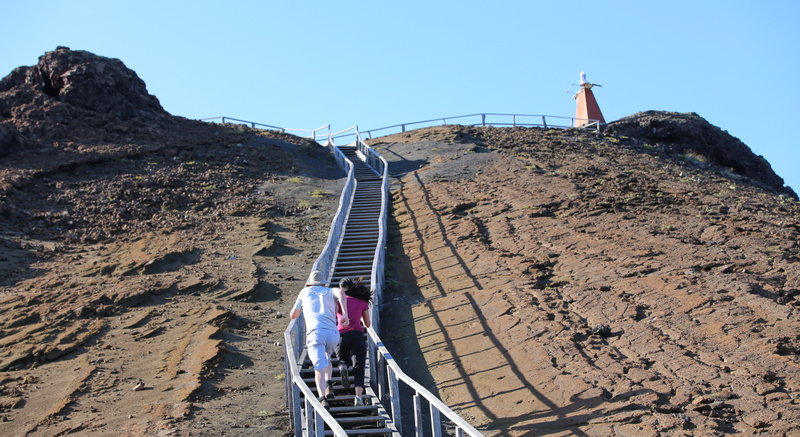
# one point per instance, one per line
(587, 111)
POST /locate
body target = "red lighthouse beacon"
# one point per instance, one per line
(587, 111)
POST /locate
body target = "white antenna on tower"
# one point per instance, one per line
(582, 83)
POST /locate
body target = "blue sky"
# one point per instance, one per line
(306, 64)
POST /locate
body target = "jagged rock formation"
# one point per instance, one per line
(75, 94)
(677, 133)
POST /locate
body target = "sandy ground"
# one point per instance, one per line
(567, 284)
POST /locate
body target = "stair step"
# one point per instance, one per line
(362, 262)
(363, 256)
(373, 431)
(362, 233)
(361, 273)
(373, 240)
(361, 419)
(354, 409)
(336, 379)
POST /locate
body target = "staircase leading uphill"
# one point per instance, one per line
(354, 258)
(370, 419)
(357, 248)
(395, 404)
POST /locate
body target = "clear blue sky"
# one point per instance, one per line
(375, 63)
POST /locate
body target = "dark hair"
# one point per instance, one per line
(353, 287)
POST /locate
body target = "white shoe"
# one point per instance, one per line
(359, 401)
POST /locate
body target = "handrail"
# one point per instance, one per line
(254, 124)
(312, 403)
(399, 375)
(591, 123)
(294, 335)
(383, 366)
(573, 123)
(328, 254)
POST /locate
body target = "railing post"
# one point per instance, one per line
(483, 120)
(253, 125)
(223, 120)
(436, 422)
(514, 120)
(309, 417)
(418, 426)
(394, 393)
(544, 121)
(459, 432)
(402, 128)
(381, 374)
(319, 425)
(298, 420)
(373, 364)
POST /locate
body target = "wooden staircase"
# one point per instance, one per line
(370, 419)
(354, 258)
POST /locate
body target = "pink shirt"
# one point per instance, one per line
(355, 308)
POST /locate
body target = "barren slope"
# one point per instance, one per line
(147, 260)
(564, 283)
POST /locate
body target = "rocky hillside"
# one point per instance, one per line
(144, 257)
(707, 146)
(641, 281)
(562, 282)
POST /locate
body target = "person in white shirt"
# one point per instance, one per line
(318, 304)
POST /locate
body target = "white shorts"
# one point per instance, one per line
(320, 343)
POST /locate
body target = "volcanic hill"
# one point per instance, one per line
(147, 259)
(565, 282)
(642, 280)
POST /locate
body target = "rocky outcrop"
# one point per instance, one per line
(85, 80)
(688, 133)
(73, 94)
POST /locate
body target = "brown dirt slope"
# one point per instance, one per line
(147, 260)
(561, 282)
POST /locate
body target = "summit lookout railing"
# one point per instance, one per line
(481, 119)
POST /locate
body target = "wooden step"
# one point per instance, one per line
(374, 431)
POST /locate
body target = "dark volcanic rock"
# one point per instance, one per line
(85, 80)
(678, 133)
(8, 139)
(74, 95)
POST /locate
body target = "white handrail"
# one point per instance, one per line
(591, 123)
(418, 388)
(587, 123)
(296, 380)
(294, 334)
(376, 347)
(255, 125)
